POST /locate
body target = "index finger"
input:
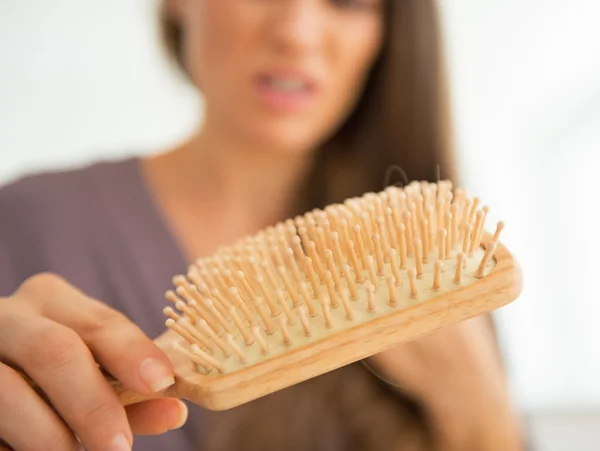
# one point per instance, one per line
(116, 343)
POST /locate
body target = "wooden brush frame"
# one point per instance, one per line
(500, 287)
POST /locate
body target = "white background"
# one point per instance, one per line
(82, 80)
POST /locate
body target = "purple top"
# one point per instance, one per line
(99, 228)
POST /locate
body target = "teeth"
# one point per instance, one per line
(287, 84)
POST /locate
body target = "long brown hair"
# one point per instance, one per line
(401, 120)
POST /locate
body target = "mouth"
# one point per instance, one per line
(286, 84)
(286, 90)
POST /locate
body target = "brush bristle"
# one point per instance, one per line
(329, 270)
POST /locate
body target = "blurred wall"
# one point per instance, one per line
(527, 97)
(83, 80)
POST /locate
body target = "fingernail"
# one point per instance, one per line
(183, 415)
(156, 375)
(120, 443)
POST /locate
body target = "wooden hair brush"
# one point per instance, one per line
(328, 288)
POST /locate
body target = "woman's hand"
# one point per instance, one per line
(55, 334)
(457, 374)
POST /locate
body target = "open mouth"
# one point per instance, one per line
(286, 84)
(286, 91)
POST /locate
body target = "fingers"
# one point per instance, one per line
(56, 358)
(117, 344)
(123, 349)
(157, 416)
(23, 411)
(56, 334)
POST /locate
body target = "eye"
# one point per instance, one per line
(357, 4)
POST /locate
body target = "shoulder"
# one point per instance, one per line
(45, 218)
(31, 195)
(48, 196)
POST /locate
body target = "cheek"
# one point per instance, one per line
(211, 43)
(347, 62)
(348, 65)
(355, 58)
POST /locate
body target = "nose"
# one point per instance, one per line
(297, 26)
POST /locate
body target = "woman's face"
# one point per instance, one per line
(282, 74)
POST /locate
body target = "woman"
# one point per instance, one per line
(307, 102)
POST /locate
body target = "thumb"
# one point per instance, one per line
(156, 416)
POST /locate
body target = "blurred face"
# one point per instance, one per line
(280, 73)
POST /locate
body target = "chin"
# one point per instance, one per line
(287, 139)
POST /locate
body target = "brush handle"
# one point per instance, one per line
(126, 396)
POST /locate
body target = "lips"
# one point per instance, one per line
(286, 90)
